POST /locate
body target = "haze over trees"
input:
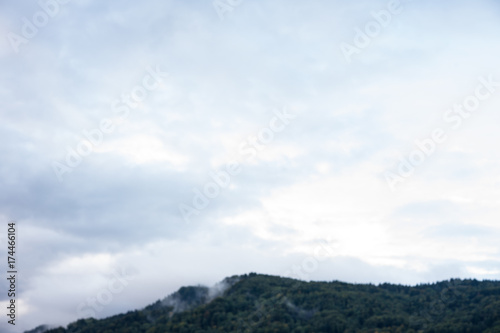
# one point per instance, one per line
(263, 303)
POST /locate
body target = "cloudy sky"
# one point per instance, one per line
(155, 144)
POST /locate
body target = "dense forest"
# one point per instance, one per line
(263, 303)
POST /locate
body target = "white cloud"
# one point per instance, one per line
(320, 178)
(143, 149)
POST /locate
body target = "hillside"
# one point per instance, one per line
(262, 303)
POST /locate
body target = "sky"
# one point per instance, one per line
(151, 145)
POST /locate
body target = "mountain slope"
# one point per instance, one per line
(262, 303)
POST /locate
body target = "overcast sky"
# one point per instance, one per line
(155, 144)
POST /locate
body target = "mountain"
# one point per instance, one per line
(39, 329)
(263, 303)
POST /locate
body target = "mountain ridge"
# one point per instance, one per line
(264, 303)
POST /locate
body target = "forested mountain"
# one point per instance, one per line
(262, 303)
